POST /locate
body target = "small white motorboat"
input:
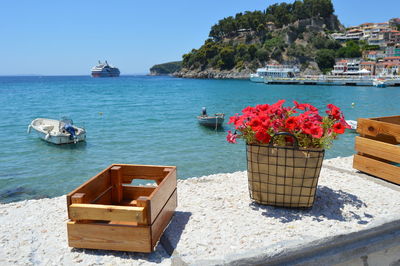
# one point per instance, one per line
(57, 131)
(352, 124)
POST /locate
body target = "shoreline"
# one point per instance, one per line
(208, 226)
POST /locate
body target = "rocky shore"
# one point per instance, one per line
(213, 74)
(215, 222)
(311, 69)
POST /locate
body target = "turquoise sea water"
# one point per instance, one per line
(145, 120)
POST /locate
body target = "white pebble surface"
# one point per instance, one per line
(215, 220)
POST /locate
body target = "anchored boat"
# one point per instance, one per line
(57, 131)
(352, 124)
(210, 121)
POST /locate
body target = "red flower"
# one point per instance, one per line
(339, 128)
(316, 132)
(277, 124)
(262, 107)
(248, 110)
(291, 123)
(233, 119)
(334, 111)
(255, 122)
(262, 135)
(344, 123)
(263, 117)
(231, 138)
(299, 106)
(266, 124)
(306, 127)
(305, 107)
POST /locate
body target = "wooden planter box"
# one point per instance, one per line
(377, 147)
(107, 212)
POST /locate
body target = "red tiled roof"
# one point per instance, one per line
(392, 58)
(368, 63)
(392, 64)
(372, 52)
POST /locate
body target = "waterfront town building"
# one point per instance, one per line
(383, 54)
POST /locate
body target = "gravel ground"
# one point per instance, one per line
(215, 220)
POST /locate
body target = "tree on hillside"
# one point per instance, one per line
(321, 8)
(299, 10)
(262, 54)
(351, 50)
(252, 51)
(325, 59)
(227, 60)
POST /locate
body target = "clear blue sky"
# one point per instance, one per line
(68, 37)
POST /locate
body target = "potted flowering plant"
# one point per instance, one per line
(285, 149)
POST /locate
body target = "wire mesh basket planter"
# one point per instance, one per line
(283, 176)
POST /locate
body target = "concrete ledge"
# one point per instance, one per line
(352, 249)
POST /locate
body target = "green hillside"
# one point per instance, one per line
(297, 32)
(166, 68)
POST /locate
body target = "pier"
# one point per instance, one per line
(333, 81)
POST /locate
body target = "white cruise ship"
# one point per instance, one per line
(105, 70)
(274, 71)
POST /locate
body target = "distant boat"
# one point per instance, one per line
(57, 131)
(210, 121)
(274, 71)
(379, 82)
(103, 70)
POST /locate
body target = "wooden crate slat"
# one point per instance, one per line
(378, 149)
(150, 172)
(78, 198)
(375, 128)
(104, 197)
(92, 188)
(162, 193)
(389, 119)
(163, 219)
(109, 237)
(107, 213)
(133, 192)
(116, 182)
(377, 168)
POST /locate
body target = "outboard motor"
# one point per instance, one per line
(71, 130)
(203, 111)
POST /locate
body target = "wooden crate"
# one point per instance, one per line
(108, 212)
(377, 147)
